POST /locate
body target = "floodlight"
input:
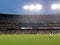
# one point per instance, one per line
(54, 6)
(31, 7)
(38, 7)
(58, 6)
(26, 7)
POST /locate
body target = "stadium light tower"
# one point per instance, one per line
(38, 7)
(26, 7)
(31, 7)
(54, 6)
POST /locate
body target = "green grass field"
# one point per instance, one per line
(29, 39)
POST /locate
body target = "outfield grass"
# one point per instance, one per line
(29, 39)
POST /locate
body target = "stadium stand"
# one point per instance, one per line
(29, 24)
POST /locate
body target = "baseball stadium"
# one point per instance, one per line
(30, 22)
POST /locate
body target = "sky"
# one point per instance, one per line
(16, 6)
